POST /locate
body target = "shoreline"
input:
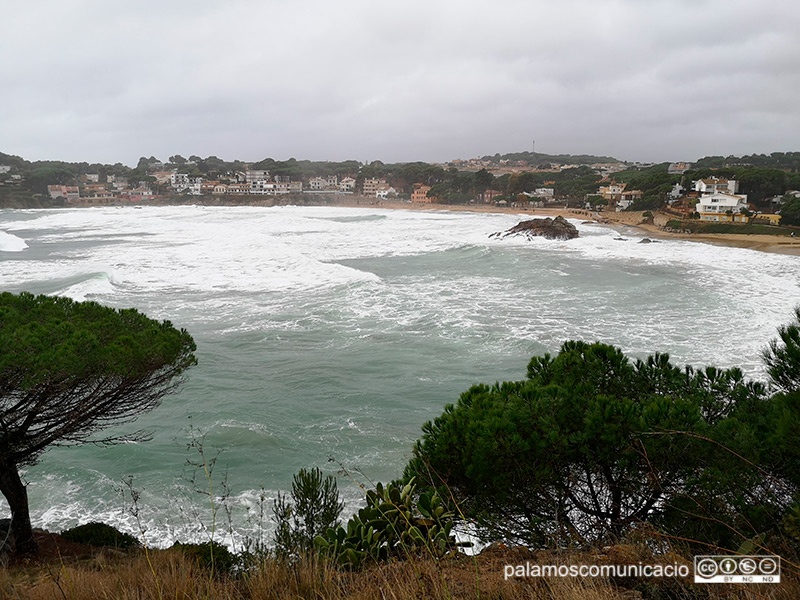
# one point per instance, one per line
(775, 244)
(763, 243)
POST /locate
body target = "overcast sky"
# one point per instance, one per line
(650, 80)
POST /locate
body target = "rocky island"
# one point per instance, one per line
(552, 229)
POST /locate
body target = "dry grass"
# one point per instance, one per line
(167, 574)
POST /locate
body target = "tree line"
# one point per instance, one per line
(593, 446)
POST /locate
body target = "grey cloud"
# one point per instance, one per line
(649, 80)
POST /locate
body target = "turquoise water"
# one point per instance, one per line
(335, 333)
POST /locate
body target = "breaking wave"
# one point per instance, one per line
(11, 243)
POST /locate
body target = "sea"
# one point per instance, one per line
(327, 336)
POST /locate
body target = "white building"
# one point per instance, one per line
(317, 184)
(179, 181)
(722, 207)
(624, 204)
(779, 199)
(143, 193)
(195, 186)
(347, 185)
(262, 186)
(253, 176)
(274, 188)
(545, 194)
(715, 185)
(385, 191)
(322, 184)
(676, 192)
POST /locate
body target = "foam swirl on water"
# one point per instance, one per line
(11, 243)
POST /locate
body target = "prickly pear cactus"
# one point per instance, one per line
(391, 525)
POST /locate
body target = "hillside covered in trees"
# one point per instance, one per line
(572, 178)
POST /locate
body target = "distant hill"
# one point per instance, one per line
(788, 161)
(12, 161)
(537, 158)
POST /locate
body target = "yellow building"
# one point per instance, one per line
(769, 219)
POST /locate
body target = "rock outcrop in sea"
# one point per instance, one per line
(552, 229)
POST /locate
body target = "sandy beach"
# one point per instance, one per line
(765, 243)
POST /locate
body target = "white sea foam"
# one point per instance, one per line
(89, 286)
(280, 253)
(11, 243)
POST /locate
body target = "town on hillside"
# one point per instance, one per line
(758, 189)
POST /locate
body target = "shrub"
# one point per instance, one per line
(210, 555)
(100, 534)
(314, 508)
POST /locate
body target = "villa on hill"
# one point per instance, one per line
(720, 201)
(715, 185)
(618, 196)
(723, 207)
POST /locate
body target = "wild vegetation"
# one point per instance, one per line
(654, 182)
(786, 161)
(790, 210)
(538, 159)
(593, 457)
(172, 574)
(592, 447)
(697, 226)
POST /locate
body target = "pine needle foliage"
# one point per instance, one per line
(70, 369)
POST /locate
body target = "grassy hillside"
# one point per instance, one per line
(72, 573)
